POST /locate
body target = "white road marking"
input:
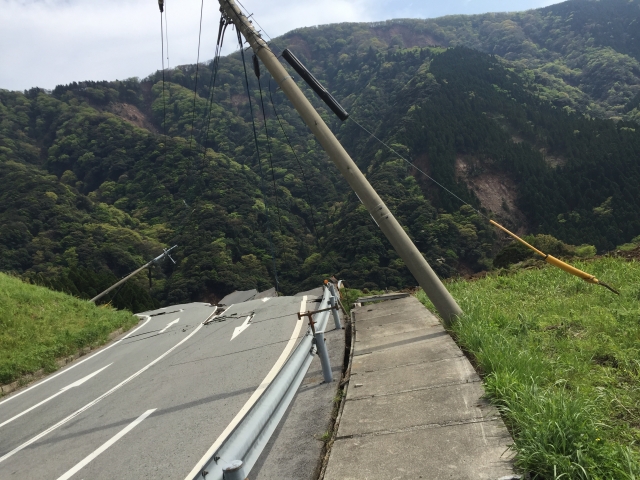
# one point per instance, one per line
(266, 299)
(106, 445)
(76, 364)
(238, 330)
(101, 397)
(254, 398)
(169, 324)
(77, 383)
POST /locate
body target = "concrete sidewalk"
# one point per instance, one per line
(414, 406)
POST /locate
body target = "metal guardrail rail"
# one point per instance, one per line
(248, 439)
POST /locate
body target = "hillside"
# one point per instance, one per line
(39, 327)
(580, 54)
(559, 359)
(90, 186)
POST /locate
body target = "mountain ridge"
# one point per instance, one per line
(110, 193)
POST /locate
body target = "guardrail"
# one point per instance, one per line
(240, 450)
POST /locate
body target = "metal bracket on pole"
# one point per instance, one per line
(319, 341)
(310, 314)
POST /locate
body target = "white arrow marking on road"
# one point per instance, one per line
(241, 328)
(254, 397)
(106, 445)
(51, 377)
(169, 324)
(101, 397)
(266, 299)
(64, 389)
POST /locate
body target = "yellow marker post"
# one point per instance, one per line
(587, 277)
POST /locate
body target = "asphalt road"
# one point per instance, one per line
(151, 404)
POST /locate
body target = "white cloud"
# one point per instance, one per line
(49, 42)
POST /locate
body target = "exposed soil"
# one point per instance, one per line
(552, 160)
(496, 192)
(131, 114)
(299, 47)
(409, 39)
(629, 255)
(237, 100)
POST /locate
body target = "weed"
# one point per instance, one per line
(39, 326)
(560, 360)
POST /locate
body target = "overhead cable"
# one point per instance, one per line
(214, 73)
(255, 138)
(249, 15)
(304, 177)
(166, 32)
(418, 169)
(587, 277)
(256, 68)
(195, 88)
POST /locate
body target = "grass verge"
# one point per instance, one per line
(350, 295)
(561, 360)
(39, 326)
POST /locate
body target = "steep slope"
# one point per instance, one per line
(40, 327)
(97, 176)
(579, 54)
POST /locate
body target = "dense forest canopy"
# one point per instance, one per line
(530, 117)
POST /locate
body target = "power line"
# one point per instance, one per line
(166, 32)
(195, 88)
(214, 73)
(304, 177)
(418, 169)
(254, 20)
(256, 67)
(164, 105)
(255, 138)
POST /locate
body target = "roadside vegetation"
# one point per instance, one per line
(39, 326)
(560, 359)
(350, 295)
(97, 177)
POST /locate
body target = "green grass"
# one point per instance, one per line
(350, 295)
(39, 326)
(561, 360)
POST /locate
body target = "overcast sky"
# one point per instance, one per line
(45, 43)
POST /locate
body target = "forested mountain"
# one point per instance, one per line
(536, 123)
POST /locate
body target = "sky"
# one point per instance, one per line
(45, 43)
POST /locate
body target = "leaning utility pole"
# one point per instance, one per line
(155, 260)
(413, 259)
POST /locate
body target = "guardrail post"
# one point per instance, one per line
(334, 312)
(234, 471)
(324, 356)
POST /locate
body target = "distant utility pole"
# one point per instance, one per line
(413, 259)
(165, 253)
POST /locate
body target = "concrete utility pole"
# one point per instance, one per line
(413, 259)
(155, 260)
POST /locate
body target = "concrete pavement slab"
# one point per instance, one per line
(472, 451)
(426, 350)
(400, 339)
(415, 407)
(407, 308)
(428, 406)
(391, 328)
(391, 318)
(413, 376)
